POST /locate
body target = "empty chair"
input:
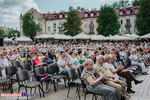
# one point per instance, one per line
(54, 69)
(22, 77)
(80, 69)
(72, 80)
(17, 64)
(28, 61)
(10, 73)
(27, 67)
(4, 82)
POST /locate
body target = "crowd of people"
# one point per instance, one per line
(102, 71)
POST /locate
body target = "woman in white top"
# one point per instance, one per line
(73, 62)
(134, 61)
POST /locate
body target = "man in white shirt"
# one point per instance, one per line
(62, 63)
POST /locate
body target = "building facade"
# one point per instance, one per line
(51, 23)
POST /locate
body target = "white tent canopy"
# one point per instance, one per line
(97, 37)
(132, 35)
(44, 36)
(7, 39)
(146, 36)
(117, 37)
(62, 36)
(81, 36)
(24, 38)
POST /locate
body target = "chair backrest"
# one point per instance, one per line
(51, 69)
(26, 66)
(71, 73)
(80, 69)
(39, 70)
(0, 73)
(28, 61)
(11, 70)
(127, 62)
(83, 85)
(22, 75)
(16, 63)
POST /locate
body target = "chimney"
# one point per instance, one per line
(54, 11)
(49, 12)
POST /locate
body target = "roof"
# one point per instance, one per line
(54, 16)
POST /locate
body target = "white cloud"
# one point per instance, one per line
(10, 11)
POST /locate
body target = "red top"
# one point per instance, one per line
(37, 61)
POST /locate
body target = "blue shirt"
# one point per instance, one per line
(49, 61)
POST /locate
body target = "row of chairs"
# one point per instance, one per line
(23, 78)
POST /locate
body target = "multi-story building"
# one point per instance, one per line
(51, 23)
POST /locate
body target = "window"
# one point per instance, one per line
(121, 13)
(121, 21)
(40, 22)
(98, 14)
(91, 30)
(40, 29)
(54, 31)
(91, 22)
(128, 12)
(60, 23)
(121, 30)
(49, 28)
(60, 16)
(134, 20)
(136, 11)
(85, 23)
(135, 29)
(55, 16)
(65, 15)
(54, 25)
(92, 14)
(85, 15)
(128, 21)
(85, 30)
(49, 17)
(34, 16)
(60, 30)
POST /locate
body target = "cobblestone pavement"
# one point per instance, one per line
(142, 92)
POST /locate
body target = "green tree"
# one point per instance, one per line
(107, 20)
(30, 28)
(80, 8)
(136, 3)
(143, 18)
(2, 33)
(121, 3)
(12, 33)
(72, 26)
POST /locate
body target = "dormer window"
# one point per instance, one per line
(136, 11)
(92, 15)
(85, 15)
(65, 15)
(55, 16)
(49, 17)
(121, 12)
(60, 16)
(128, 12)
(97, 13)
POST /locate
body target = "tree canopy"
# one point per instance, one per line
(136, 3)
(143, 18)
(107, 20)
(12, 33)
(30, 28)
(2, 33)
(72, 26)
(121, 3)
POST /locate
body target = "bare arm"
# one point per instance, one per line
(94, 82)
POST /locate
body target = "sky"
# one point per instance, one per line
(10, 10)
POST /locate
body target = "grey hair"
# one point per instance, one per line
(99, 56)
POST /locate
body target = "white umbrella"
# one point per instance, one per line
(146, 36)
(62, 36)
(24, 38)
(44, 36)
(117, 37)
(97, 37)
(7, 39)
(132, 35)
(81, 36)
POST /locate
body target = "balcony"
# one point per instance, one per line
(128, 25)
(91, 25)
